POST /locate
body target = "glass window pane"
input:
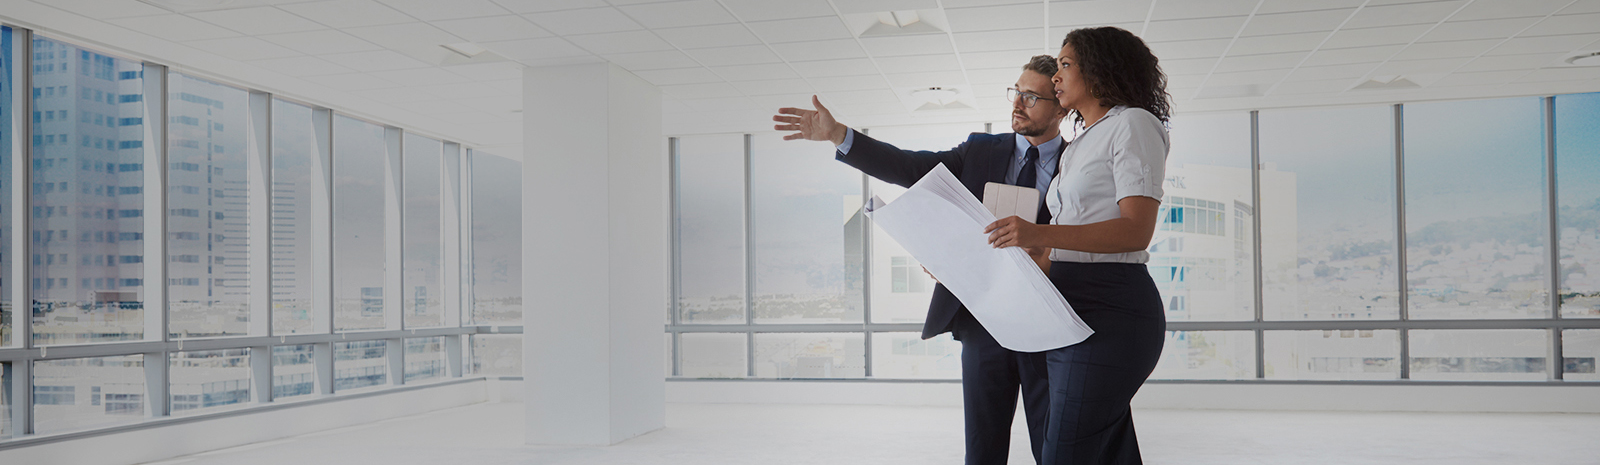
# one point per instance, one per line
(813, 355)
(360, 154)
(1201, 254)
(294, 371)
(88, 199)
(712, 355)
(1579, 350)
(1577, 168)
(1476, 227)
(1328, 214)
(1207, 355)
(902, 301)
(496, 240)
(294, 155)
(83, 393)
(1333, 354)
(208, 209)
(7, 58)
(666, 354)
(205, 379)
(423, 299)
(497, 354)
(1480, 355)
(907, 356)
(360, 364)
(5, 400)
(710, 183)
(425, 359)
(807, 233)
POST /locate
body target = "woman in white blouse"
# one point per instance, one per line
(1104, 203)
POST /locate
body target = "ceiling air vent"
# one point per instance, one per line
(1385, 83)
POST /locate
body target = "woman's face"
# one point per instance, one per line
(1070, 88)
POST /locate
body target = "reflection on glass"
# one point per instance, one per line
(425, 359)
(712, 355)
(360, 158)
(1476, 232)
(1201, 256)
(1580, 348)
(1480, 355)
(806, 229)
(208, 209)
(293, 157)
(710, 185)
(496, 240)
(1328, 215)
(5, 400)
(360, 364)
(6, 113)
(907, 356)
(1345, 354)
(87, 196)
(812, 355)
(1207, 355)
(1577, 168)
(423, 295)
(82, 393)
(204, 379)
(497, 354)
(293, 371)
(900, 293)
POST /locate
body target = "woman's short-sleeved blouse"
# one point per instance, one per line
(1122, 155)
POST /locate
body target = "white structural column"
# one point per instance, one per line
(595, 254)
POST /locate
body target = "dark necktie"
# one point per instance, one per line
(1030, 172)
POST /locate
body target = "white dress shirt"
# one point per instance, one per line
(1122, 155)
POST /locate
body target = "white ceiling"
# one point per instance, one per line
(722, 64)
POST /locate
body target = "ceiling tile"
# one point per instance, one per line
(434, 10)
(496, 71)
(1351, 55)
(707, 90)
(994, 18)
(1567, 24)
(1002, 59)
(1288, 6)
(1344, 71)
(378, 60)
(994, 77)
(432, 107)
(1512, 62)
(536, 6)
(1580, 7)
(1210, 48)
(1260, 62)
(1546, 44)
(774, 87)
(1289, 23)
(302, 66)
(1494, 9)
(348, 13)
(991, 41)
(716, 35)
(919, 63)
(1425, 66)
(527, 50)
(1486, 78)
(103, 9)
(351, 81)
(177, 28)
(761, 72)
(774, 102)
(1456, 49)
(586, 21)
(842, 83)
(1583, 73)
(1277, 44)
(679, 14)
(405, 36)
(930, 79)
(243, 48)
(820, 50)
(620, 42)
(1188, 66)
(762, 10)
(1389, 35)
(1098, 12)
(874, 6)
(1410, 13)
(1206, 9)
(865, 96)
(1053, 40)
(652, 60)
(907, 45)
(1487, 29)
(829, 68)
(321, 42)
(1264, 78)
(492, 28)
(667, 77)
(799, 30)
(258, 21)
(740, 55)
(737, 103)
(420, 76)
(1193, 29)
(1323, 86)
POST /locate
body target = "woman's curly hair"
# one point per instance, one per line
(1119, 69)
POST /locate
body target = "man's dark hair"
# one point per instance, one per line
(1120, 70)
(1042, 64)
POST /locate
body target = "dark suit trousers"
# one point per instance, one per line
(990, 377)
(1092, 382)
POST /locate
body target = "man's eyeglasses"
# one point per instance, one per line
(1029, 99)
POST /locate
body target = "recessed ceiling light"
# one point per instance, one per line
(936, 95)
(1586, 59)
(191, 6)
(466, 49)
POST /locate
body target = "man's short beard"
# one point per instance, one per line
(1030, 132)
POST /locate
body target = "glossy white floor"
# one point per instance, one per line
(491, 433)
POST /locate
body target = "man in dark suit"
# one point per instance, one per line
(991, 375)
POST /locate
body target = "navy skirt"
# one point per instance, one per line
(1092, 382)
